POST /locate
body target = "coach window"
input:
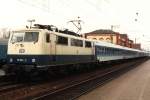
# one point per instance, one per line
(47, 38)
(103, 50)
(62, 40)
(76, 42)
(88, 44)
(107, 52)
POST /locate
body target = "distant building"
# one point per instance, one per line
(5, 33)
(103, 35)
(110, 36)
(130, 43)
(137, 46)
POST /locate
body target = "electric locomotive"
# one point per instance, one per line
(42, 48)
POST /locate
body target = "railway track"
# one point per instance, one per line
(71, 92)
(69, 87)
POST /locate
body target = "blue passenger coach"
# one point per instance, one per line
(108, 52)
(3, 51)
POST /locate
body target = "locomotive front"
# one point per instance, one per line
(25, 48)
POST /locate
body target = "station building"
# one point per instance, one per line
(137, 46)
(112, 37)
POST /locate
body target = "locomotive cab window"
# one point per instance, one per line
(17, 37)
(31, 36)
(25, 37)
(62, 40)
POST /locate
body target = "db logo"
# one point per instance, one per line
(21, 50)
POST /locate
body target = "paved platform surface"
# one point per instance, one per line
(133, 85)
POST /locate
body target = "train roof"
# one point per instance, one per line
(106, 44)
(96, 42)
(26, 29)
(101, 43)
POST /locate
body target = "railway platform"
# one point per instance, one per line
(132, 85)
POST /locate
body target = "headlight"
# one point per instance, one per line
(33, 60)
(11, 60)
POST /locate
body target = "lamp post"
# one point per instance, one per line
(136, 19)
(111, 35)
(112, 28)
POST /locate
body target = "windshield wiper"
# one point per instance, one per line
(13, 42)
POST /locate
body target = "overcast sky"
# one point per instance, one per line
(96, 14)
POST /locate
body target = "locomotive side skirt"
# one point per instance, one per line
(39, 60)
